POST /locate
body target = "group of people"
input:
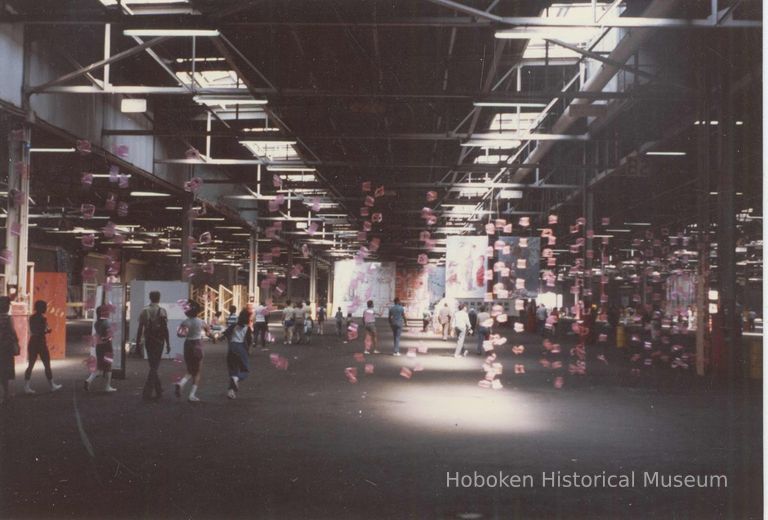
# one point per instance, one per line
(244, 330)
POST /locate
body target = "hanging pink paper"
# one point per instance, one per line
(205, 238)
(422, 259)
(88, 241)
(376, 217)
(367, 226)
(87, 210)
(374, 244)
(508, 228)
(431, 196)
(525, 221)
(123, 181)
(305, 250)
(122, 151)
(6, 256)
(83, 146)
(312, 229)
(16, 229)
(366, 186)
(365, 211)
(369, 201)
(424, 236)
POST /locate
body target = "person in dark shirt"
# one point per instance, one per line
(9, 347)
(38, 346)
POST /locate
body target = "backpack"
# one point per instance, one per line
(156, 326)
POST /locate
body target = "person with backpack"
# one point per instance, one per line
(102, 330)
(260, 325)
(38, 346)
(153, 329)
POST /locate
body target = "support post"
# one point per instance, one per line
(288, 267)
(313, 280)
(17, 220)
(702, 220)
(253, 266)
(186, 232)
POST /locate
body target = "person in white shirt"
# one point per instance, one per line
(461, 323)
(299, 315)
(369, 322)
(444, 319)
(287, 323)
(260, 325)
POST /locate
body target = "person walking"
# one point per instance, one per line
(444, 319)
(287, 323)
(192, 330)
(369, 322)
(462, 326)
(541, 318)
(299, 315)
(339, 317)
(9, 347)
(232, 318)
(483, 330)
(397, 322)
(102, 330)
(472, 312)
(321, 314)
(238, 336)
(38, 347)
(426, 317)
(260, 325)
(153, 328)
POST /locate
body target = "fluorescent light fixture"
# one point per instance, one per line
(52, 150)
(211, 219)
(198, 60)
(277, 168)
(567, 34)
(637, 223)
(676, 154)
(224, 101)
(495, 144)
(619, 230)
(133, 105)
(174, 208)
(715, 123)
(170, 32)
(259, 129)
(149, 194)
(268, 143)
(504, 104)
(106, 175)
(510, 194)
(228, 227)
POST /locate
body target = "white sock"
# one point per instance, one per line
(91, 377)
(235, 379)
(109, 379)
(193, 392)
(184, 380)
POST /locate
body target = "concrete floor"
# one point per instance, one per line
(305, 443)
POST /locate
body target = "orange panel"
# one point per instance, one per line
(52, 287)
(20, 320)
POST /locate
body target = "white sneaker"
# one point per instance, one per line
(231, 394)
(55, 387)
(110, 389)
(194, 398)
(396, 354)
(28, 390)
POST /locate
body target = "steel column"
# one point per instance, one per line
(17, 238)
